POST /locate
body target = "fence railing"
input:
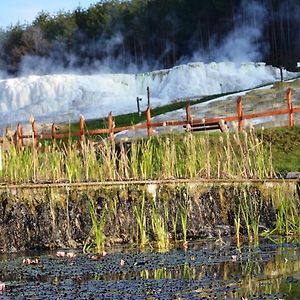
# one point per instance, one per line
(189, 122)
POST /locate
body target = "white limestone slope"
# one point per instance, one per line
(62, 97)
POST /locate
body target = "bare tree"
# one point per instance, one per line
(34, 41)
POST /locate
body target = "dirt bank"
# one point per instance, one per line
(58, 216)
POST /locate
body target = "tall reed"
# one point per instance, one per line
(140, 215)
(250, 208)
(237, 225)
(184, 222)
(96, 240)
(160, 228)
(286, 201)
(238, 155)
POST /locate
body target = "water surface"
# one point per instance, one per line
(205, 270)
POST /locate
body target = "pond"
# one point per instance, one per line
(204, 270)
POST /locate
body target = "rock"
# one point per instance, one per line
(2, 287)
(293, 175)
(31, 261)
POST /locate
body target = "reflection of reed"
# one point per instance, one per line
(185, 272)
(269, 277)
(255, 272)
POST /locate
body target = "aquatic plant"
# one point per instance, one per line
(204, 155)
(167, 159)
(96, 240)
(107, 152)
(174, 220)
(146, 159)
(123, 163)
(250, 208)
(249, 211)
(73, 163)
(246, 213)
(140, 214)
(90, 163)
(187, 272)
(160, 228)
(237, 224)
(286, 202)
(184, 222)
(189, 144)
(133, 155)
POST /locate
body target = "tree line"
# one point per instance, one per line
(150, 33)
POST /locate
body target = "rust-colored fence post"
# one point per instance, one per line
(290, 107)
(21, 137)
(81, 128)
(110, 122)
(53, 133)
(189, 118)
(240, 113)
(149, 125)
(16, 137)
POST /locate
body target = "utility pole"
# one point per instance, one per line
(148, 95)
(138, 105)
(281, 73)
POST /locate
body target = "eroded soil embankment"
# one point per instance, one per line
(56, 216)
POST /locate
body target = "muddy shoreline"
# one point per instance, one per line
(45, 216)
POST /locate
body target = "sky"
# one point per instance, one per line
(25, 11)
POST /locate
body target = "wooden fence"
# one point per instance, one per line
(190, 122)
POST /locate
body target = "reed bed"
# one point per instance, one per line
(96, 240)
(207, 155)
(170, 219)
(227, 156)
(259, 214)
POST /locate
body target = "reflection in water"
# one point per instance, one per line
(278, 277)
(202, 271)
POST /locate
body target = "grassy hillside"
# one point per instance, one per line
(253, 100)
(134, 118)
(285, 143)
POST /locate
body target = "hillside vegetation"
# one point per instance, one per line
(285, 143)
(152, 34)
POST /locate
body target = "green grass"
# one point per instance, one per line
(285, 143)
(134, 118)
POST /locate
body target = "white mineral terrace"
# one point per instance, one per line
(63, 97)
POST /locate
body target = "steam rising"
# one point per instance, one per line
(244, 43)
(83, 87)
(61, 61)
